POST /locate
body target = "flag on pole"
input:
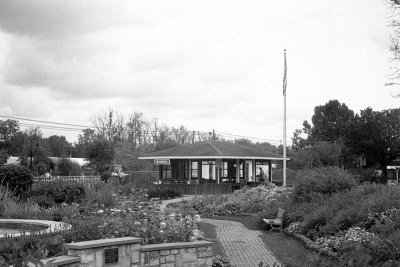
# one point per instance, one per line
(284, 75)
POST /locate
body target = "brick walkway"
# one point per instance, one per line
(241, 245)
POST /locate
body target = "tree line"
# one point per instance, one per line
(339, 137)
(336, 136)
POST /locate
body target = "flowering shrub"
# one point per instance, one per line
(128, 217)
(352, 236)
(246, 200)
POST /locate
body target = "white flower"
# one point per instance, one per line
(100, 211)
(163, 224)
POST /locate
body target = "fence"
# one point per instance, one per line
(197, 189)
(79, 179)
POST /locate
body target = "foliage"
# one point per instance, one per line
(100, 153)
(16, 178)
(367, 175)
(321, 181)
(164, 194)
(66, 168)
(219, 261)
(102, 194)
(376, 134)
(244, 201)
(57, 192)
(319, 155)
(3, 156)
(27, 249)
(105, 176)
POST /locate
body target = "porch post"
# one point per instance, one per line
(237, 171)
(253, 167)
(190, 171)
(270, 171)
(199, 171)
(218, 163)
(397, 175)
(160, 175)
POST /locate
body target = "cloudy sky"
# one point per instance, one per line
(202, 64)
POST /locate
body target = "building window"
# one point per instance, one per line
(195, 170)
(208, 170)
(224, 169)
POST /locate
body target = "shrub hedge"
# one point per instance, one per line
(17, 178)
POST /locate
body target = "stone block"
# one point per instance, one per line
(209, 261)
(209, 248)
(181, 250)
(125, 250)
(73, 252)
(201, 261)
(135, 256)
(99, 258)
(145, 258)
(176, 251)
(162, 259)
(167, 265)
(154, 254)
(186, 257)
(201, 248)
(169, 258)
(135, 247)
(125, 262)
(87, 257)
(164, 252)
(191, 250)
(154, 261)
(186, 264)
(203, 254)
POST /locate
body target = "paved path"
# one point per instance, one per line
(241, 245)
(164, 203)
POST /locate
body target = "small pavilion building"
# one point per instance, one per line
(215, 162)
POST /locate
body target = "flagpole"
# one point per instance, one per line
(284, 121)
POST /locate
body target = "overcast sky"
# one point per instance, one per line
(201, 64)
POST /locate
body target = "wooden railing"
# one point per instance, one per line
(197, 189)
(79, 179)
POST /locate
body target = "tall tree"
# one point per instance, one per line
(109, 124)
(100, 153)
(8, 130)
(376, 134)
(331, 121)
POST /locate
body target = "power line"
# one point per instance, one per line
(145, 132)
(50, 122)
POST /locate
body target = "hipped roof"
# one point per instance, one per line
(212, 150)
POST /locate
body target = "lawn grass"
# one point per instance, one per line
(288, 250)
(211, 235)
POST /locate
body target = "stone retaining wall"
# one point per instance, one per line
(177, 254)
(127, 252)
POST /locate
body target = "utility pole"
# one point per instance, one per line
(213, 135)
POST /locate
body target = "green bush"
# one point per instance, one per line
(164, 193)
(102, 194)
(367, 175)
(321, 180)
(105, 176)
(17, 178)
(57, 192)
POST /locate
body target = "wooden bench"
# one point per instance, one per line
(277, 223)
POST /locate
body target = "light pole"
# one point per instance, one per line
(31, 154)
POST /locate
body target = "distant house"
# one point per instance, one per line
(213, 162)
(393, 169)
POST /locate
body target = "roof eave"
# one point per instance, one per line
(210, 157)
